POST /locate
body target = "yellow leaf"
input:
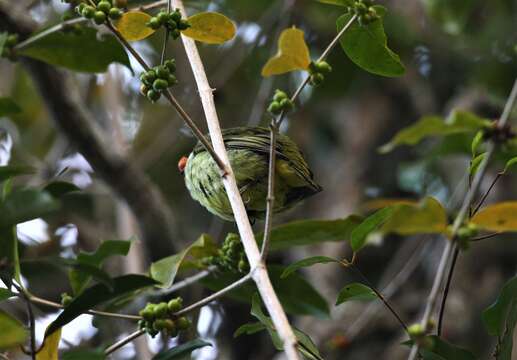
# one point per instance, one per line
(132, 25)
(498, 217)
(426, 217)
(293, 54)
(210, 28)
(49, 351)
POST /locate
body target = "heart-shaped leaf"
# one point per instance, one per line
(133, 25)
(293, 54)
(210, 28)
(355, 291)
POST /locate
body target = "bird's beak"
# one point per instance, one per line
(182, 163)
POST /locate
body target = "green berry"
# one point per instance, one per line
(286, 104)
(175, 34)
(243, 266)
(99, 17)
(147, 314)
(183, 24)
(142, 324)
(11, 40)
(104, 6)
(279, 95)
(159, 324)
(171, 25)
(175, 305)
(323, 67)
(169, 325)
(115, 13)
(153, 96)
(171, 65)
(316, 79)
(162, 17)
(183, 323)
(148, 77)
(160, 84)
(88, 12)
(79, 8)
(175, 15)
(162, 72)
(120, 3)
(161, 310)
(274, 107)
(66, 299)
(154, 23)
(171, 80)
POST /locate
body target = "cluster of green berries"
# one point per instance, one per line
(281, 102)
(172, 21)
(160, 318)
(231, 256)
(317, 70)
(8, 49)
(364, 10)
(66, 299)
(158, 79)
(102, 11)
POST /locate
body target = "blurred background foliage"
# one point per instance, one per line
(457, 53)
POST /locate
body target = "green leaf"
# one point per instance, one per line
(181, 351)
(80, 275)
(10, 171)
(210, 28)
(9, 255)
(13, 332)
(497, 217)
(96, 295)
(8, 106)
(86, 270)
(3, 38)
(476, 141)
(82, 52)
(426, 217)
(60, 188)
(165, 270)
(509, 164)
(133, 25)
(24, 205)
(366, 46)
(370, 224)
(475, 162)
(293, 54)
(288, 291)
(306, 345)
(307, 262)
(309, 232)
(249, 329)
(495, 316)
(355, 291)
(5, 294)
(345, 3)
(442, 350)
(458, 122)
(84, 355)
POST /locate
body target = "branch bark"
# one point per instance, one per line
(259, 271)
(79, 127)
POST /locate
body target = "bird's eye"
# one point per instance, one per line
(182, 164)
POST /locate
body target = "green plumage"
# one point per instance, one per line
(248, 151)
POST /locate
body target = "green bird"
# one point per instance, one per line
(248, 151)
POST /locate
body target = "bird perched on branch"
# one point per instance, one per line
(248, 151)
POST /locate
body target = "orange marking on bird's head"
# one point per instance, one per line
(182, 164)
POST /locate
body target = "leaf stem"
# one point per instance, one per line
(30, 313)
(485, 195)
(455, 254)
(123, 341)
(166, 37)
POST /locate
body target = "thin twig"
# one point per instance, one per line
(123, 342)
(214, 296)
(174, 102)
(483, 237)
(476, 209)
(379, 295)
(455, 254)
(458, 221)
(274, 126)
(56, 305)
(30, 314)
(189, 280)
(166, 37)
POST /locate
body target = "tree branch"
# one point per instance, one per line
(451, 245)
(258, 270)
